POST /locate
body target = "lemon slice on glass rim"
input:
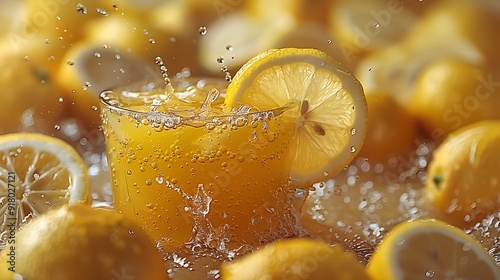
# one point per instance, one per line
(37, 173)
(329, 106)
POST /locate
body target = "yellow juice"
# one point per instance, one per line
(221, 179)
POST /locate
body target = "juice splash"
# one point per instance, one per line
(189, 173)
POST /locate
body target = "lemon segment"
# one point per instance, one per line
(38, 173)
(432, 249)
(329, 106)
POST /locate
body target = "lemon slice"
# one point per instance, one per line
(37, 173)
(431, 249)
(330, 112)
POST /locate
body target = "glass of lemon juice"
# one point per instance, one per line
(189, 170)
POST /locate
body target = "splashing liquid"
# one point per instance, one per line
(224, 69)
(169, 89)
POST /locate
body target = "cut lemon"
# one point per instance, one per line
(431, 249)
(330, 107)
(37, 173)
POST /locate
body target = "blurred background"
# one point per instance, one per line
(57, 55)
(428, 67)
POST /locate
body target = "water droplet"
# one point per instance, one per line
(329, 42)
(202, 30)
(377, 25)
(129, 172)
(164, 73)
(229, 47)
(70, 63)
(152, 41)
(97, 54)
(353, 131)
(159, 180)
(61, 99)
(430, 273)
(57, 127)
(36, 176)
(94, 108)
(148, 182)
(47, 41)
(102, 12)
(86, 86)
(220, 59)
(353, 149)
(467, 247)
(81, 8)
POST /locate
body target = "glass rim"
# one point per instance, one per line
(175, 116)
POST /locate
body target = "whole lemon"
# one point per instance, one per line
(296, 258)
(80, 242)
(452, 93)
(463, 179)
(30, 99)
(386, 135)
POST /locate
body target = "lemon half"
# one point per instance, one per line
(329, 106)
(37, 173)
(431, 249)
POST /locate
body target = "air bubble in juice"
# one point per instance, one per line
(224, 176)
